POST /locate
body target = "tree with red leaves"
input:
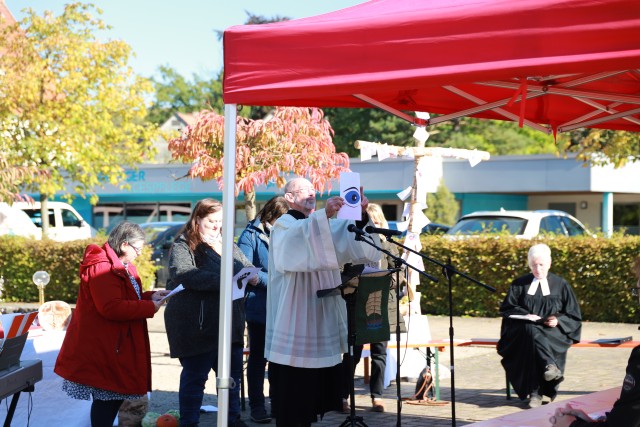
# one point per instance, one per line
(292, 140)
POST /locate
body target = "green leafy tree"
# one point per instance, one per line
(80, 107)
(368, 124)
(602, 146)
(442, 206)
(174, 93)
(293, 140)
(12, 176)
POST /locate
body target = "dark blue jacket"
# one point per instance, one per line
(254, 243)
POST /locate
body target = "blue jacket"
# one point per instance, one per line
(254, 243)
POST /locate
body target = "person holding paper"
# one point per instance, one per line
(541, 320)
(106, 354)
(192, 315)
(307, 335)
(254, 243)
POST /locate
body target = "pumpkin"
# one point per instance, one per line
(167, 420)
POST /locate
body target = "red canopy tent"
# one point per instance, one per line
(555, 65)
(576, 60)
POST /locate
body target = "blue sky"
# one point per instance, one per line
(181, 33)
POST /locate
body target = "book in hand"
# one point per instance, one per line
(529, 317)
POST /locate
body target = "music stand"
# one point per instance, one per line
(349, 291)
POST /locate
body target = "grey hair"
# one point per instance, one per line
(539, 250)
(124, 232)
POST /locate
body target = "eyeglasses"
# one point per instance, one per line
(308, 191)
(135, 248)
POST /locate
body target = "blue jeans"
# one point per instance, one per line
(194, 375)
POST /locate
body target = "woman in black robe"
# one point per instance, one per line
(541, 320)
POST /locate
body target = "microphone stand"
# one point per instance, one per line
(397, 263)
(447, 271)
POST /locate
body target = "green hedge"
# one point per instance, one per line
(21, 257)
(599, 269)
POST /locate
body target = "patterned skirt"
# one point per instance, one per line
(86, 392)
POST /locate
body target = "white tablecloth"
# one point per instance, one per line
(50, 407)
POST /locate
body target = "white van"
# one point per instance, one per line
(15, 222)
(65, 223)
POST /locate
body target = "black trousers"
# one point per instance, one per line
(378, 366)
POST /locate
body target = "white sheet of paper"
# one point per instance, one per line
(174, 291)
(404, 193)
(420, 221)
(350, 192)
(383, 152)
(365, 154)
(240, 281)
(208, 408)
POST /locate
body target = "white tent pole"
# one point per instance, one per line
(223, 381)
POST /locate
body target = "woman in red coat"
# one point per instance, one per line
(105, 354)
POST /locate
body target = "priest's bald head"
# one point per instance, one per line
(300, 195)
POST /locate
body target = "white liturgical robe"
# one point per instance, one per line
(305, 256)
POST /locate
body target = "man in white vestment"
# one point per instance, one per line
(307, 335)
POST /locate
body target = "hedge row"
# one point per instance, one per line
(599, 269)
(21, 257)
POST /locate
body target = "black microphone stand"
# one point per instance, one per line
(350, 300)
(397, 263)
(447, 271)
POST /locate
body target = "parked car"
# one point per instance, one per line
(15, 222)
(523, 224)
(160, 237)
(431, 228)
(65, 223)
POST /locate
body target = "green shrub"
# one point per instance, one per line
(21, 257)
(598, 269)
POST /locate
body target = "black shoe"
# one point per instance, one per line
(260, 416)
(551, 373)
(535, 401)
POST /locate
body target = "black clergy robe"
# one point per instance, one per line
(527, 347)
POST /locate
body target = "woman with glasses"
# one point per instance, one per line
(191, 317)
(106, 355)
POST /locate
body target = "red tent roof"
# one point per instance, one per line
(578, 61)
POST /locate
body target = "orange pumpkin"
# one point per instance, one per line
(167, 420)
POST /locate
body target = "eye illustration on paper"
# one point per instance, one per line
(351, 197)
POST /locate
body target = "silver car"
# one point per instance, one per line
(523, 224)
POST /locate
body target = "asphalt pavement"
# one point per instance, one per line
(480, 386)
(475, 393)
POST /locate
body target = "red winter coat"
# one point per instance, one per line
(107, 342)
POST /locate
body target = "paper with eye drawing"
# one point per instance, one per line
(350, 192)
(240, 280)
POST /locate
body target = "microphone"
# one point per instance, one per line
(383, 231)
(352, 228)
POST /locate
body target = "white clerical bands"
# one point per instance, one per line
(544, 285)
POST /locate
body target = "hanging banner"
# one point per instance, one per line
(372, 313)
